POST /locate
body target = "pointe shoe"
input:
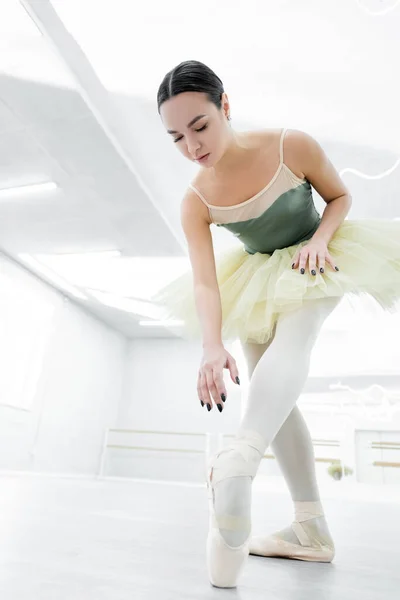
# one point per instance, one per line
(225, 563)
(307, 549)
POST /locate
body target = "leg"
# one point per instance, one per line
(293, 449)
(292, 445)
(280, 374)
(276, 383)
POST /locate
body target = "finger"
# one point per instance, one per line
(295, 262)
(210, 386)
(199, 393)
(321, 262)
(233, 370)
(201, 389)
(204, 390)
(312, 263)
(217, 383)
(331, 262)
(303, 262)
(220, 391)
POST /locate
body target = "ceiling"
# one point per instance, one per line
(77, 107)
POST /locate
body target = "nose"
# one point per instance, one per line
(193, 146)
(194, 150)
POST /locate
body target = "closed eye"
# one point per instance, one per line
(201, 129)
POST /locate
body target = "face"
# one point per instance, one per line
(197, 127)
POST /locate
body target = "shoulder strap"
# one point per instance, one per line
(198, 193)
(284, 130)
(203, 200)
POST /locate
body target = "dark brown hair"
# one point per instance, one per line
(191, 76)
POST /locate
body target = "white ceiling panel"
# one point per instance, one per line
(80, 146)
(49, 208)
(325, 67)
(23, 161)
(328, 68)
(41, 104)
(8, 120)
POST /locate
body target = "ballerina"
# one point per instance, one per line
(273, 294)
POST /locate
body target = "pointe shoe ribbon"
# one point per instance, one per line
(225, 563)
(242, 463)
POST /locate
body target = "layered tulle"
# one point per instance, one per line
(256, 288)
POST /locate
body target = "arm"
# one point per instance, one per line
(311, 160)
(196, 227)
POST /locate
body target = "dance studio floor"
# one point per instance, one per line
(88, 539)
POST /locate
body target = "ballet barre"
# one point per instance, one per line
(205, 449)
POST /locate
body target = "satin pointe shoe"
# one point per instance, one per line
(225, 563)
(311, 546)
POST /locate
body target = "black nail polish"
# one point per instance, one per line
(313, 272)
(208, 407)
(322, 270)
(302, 271)
(293, 266)
(223, 397)
(238, 380)
(337, 268)
(219, 407)
(201, 402)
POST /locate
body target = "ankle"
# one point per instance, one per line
(304, 511)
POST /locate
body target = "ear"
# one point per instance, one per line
(225, 104)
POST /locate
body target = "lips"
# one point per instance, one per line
(200, 157)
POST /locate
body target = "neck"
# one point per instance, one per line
(236, 151)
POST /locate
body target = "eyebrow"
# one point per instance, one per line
(192, 122)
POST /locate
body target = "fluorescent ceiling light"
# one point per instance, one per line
(90, 253)
(35, 188)
(170, 323)
(136, 307)
(130, 305)
(51, 276)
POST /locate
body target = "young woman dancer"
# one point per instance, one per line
(273, 294)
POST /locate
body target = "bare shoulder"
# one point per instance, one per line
(293, 145)
(193, 208)
(296, 144)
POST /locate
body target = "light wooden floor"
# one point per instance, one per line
(83, 539)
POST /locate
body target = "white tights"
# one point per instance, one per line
(278, 371)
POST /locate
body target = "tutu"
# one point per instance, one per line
(256, 288)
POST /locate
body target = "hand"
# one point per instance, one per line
(210, 382)
(316, 251)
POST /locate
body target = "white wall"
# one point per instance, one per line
(160, 391)
(55, 420)
(66, 380)
(160, 394)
